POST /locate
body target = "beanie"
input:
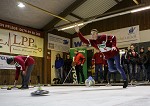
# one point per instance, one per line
(9, 60)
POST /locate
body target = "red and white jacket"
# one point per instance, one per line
(104, 43)
(98, 58)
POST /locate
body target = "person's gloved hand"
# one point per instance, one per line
(76, 28)
(114, 48)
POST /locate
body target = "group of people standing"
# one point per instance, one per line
(136, 64)
(63, 67)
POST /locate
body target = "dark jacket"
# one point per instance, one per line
(148, 57)
(142, 58)
(133, 59)
(67, 64)
(124, 59)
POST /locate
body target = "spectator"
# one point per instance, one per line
(105, 70)
(147, 65)
(133, 57)
(67, 68)
(79, 60)
(59, 62)
(141, 63)
(125, 61)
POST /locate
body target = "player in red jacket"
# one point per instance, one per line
(97, 60)
(107, 45)
(25, 64)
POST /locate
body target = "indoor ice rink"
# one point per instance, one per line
(74, 52)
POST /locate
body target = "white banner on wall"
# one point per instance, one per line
(20, 43)
(3, 63)
(58, 43)
(125, 36)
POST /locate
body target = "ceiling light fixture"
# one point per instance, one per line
(21, 5)
(69, 27)
(140, 9)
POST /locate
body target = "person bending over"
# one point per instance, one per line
(23, 64)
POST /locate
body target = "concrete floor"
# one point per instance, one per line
(78, 96)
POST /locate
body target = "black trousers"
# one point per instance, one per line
(79, 70)
(148, 73)
(105, 72)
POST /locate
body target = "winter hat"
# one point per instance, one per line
(9, 60)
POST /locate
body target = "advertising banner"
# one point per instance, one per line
(20, 43)
(58, 43)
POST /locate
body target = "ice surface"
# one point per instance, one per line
(78, 96)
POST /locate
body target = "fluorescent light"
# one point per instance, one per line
(70, 27)
(21, 5)
(140, 9)
(106, 17)
(94, 20)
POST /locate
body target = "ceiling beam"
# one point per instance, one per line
(67, 11)
(103, 15)
(76, 16)
(121, 5)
